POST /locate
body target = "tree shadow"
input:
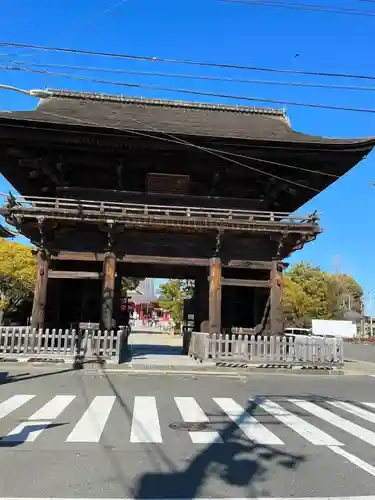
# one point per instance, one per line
(238, 462)
(13, 440)
(322, 401)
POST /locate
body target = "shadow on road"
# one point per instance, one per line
(13, 440)
(239, 462)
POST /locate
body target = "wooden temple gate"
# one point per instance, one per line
(118, 186)
(218, 229)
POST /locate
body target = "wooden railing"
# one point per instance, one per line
(25, 343)
(271, 350)
(78, 209)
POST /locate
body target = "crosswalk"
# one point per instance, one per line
(148, 422)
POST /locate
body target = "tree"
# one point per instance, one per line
(311, 293)
(173, 293)
(296, 302)
(129, 284)
(17, 276)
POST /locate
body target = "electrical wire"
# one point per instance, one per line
(304, 7)
(101, 134)
(190, 92)
(99, 69)
(181, 61)
(181, 141)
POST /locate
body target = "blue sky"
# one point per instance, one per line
(224, 32)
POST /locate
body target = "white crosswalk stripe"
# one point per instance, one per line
(147, 424)
(308, 431)
(14, 402)
(90, 427)
(30, 429)
(350, 427)
(249, 425)
(354, 410)
(52, 408)
(192, 412)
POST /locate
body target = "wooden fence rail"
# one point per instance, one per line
(304, 351)
(25, 343)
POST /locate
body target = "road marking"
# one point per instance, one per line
(30, 429)
(308, 431)
(354, 410)
(25, 432)
(53, 408)
(370, 469)
(369, 497)
(90, 427)
(341, 423)
(13, 403)
(192, 412)
(253, 429)
(145, 427)
(370, 405)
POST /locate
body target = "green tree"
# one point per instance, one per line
(296, 302)
(129, 284)
(311, 293)
(173, 293)
(17, 276)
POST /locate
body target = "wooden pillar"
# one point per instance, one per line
(215, 296)
(276, 312)
(117, 299)
(109, 275)
(40, 290)
(201, 301)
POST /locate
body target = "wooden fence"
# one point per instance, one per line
(303, 351)
(26, 344)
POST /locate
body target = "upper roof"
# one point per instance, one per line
(81, 109)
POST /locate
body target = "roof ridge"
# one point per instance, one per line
(95, 96)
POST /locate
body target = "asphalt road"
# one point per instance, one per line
(171, 436)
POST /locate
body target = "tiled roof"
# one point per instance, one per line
(80, 109)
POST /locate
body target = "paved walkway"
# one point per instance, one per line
(156, 349)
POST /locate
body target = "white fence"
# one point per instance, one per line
(25, 343)
(304, 351)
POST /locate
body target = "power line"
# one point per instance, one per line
(191, 92)
(182, 61)
(181, 141)
(304, 7)
(99, 69)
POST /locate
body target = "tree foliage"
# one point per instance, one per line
(173, 293)
(311, 293)
(129, 284)
(17, 275)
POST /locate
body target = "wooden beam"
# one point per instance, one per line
(249, 264)
(152, 259)
(247, 283)
(74, 275)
